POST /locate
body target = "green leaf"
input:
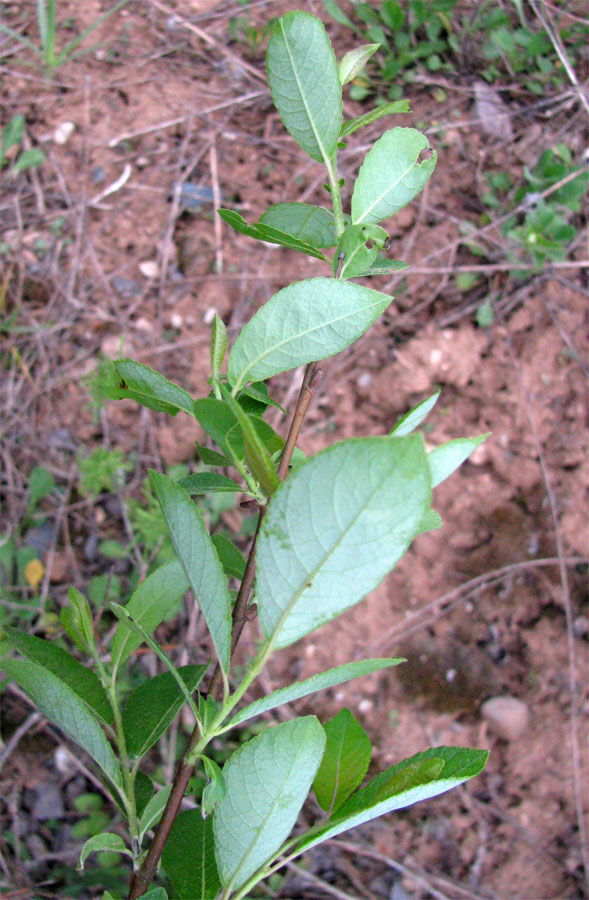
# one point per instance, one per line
(263, 232)
(335, 528)
(354, 62)
(199, 559)
(320, 682)
(384, 266)
(231, 559)
(208, 482)
(149, 605)
(211, 457)
(305, 322)
(151, 708)
(219, 342)
(81, 616)
(215, 789)
(443, 460)
(256, 455)
(81, 680)
(389, 109)
(105, 841)
(188, 858)
(63, 706)
(357, 249)
(267, 781)
(11, 135)
(271, 441)
(153, 811)
(143, 790)
(156, 893)
(28, 159)
(149, 388)
(41, 483)
(338, 15)
(304, 82)
(66, 618)
(431, 521)
(391, 175)
(216, 418)
(411, 420)
(313, 225)
(345, 761)
(418, 778)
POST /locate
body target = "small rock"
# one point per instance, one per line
(126, 287)
(580, 626)
(508, 717)
(90, 548)
(143, 324)
(98, 175)
(63, 133)
(176, 321)
(149, 268)
(209, 315)
(48, 803)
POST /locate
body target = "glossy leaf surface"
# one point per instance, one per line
(304, 81)
(391, 175)
(199, 560)
(313, 225)
(267, 781)
(344, 763)
(83, 681)
(105, 841)
(388, 109)
(150, 709)
(446, 458)
(149, 605)
(208, 482)
(418, 778)
(148, 387)
(306, 321)
(61, 705)
(320, 682)
(260, 231)
(413, 419)
(335, 528)
(354, 62)
(188, 858)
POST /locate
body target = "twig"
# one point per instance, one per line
(169, 123)
(463, 591)
(561, 53)
(311, 380)
(20, 732)
(240, 63)
(217, 202)
(320, 883)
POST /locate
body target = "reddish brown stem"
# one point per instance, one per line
(141, 880)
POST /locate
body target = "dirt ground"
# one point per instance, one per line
(495, 603)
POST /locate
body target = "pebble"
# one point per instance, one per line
(63, 133)
(126, 287)
(98, 175)
(581, 626)
(40, 537)
(507, 717)
(114, 348)
(149, 268)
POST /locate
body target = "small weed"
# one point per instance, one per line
(46, 51)
(11, 148)
(102, 470)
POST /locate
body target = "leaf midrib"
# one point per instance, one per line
(384, 194)
(311, 575)
(303, 97)
(300, 335)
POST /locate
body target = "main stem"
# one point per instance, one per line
(141, 880)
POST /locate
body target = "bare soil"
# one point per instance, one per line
(480, 608)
